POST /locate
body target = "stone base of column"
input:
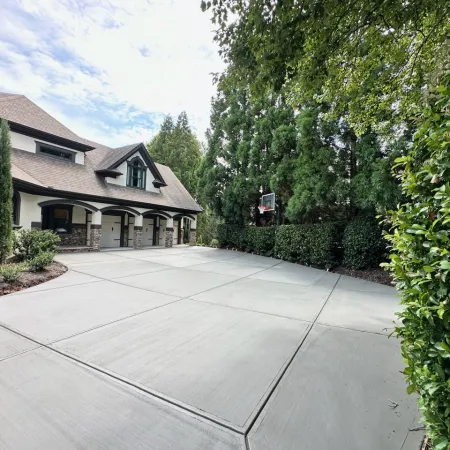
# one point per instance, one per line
(96, 235)
(169, 237)
(193, 237)
(137, 237)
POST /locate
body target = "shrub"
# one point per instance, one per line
(6, 192)
(214, 243)
(313, 245)
(11, 272)
(260, 240)
(207, 223)
(30, 243)
(363, 244)
(41, 261)
(420, 266)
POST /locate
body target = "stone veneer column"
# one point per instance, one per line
(193, 232)
(96, 235)
(137, 235)
(96, 230)
(169, 233)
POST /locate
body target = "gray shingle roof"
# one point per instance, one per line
(114, 155)
(20, 110)
(53, 174)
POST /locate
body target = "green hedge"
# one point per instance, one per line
(314, 245)
(363, 244)
(260, 240)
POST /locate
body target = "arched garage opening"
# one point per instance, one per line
(117, 226)
(154, 225)
(182, 228)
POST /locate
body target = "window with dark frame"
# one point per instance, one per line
(136, 173)
(57, 218)
(55, 152)
(16, 208)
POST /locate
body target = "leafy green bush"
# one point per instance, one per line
(41, 261)
(214, 243)
(313, 245)
(11, 272)
(316, 245)
(363, 244)
(207, 223)
(30, 243)
(420, 265)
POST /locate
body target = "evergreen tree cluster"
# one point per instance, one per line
(318, 167)
(176, 146)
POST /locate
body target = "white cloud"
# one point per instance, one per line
(117, 59)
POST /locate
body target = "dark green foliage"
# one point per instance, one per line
(11, 272)
(6, 192)
(177, 147)
(41, 261)
(420, 265)
(30, 243)
(260, 240)
(313, 245)
(363, 244)
(207, 223)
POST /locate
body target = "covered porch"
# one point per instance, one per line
(88, 226)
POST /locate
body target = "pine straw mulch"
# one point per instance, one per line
(377, 275)
(28, 279)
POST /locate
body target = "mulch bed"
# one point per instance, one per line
(375, 275)
(29, 279)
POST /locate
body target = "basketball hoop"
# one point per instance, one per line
(263, 209)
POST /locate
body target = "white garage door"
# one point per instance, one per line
(147, 232)
(110, 231)
(176, 226)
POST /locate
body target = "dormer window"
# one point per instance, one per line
(136, 173)
(55, 152)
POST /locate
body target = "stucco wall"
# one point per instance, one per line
(28, 144)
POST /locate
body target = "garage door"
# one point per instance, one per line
(147, 232)
(110, 231)
(176, 226)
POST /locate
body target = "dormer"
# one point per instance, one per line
(131, 166)
(35, 131)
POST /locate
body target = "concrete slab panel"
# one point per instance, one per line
(116, 269)
(56, 314)
(357, 284)
(70, 278)
(13, 344)
(80, 258)
(180, 282)
(358, 310)
(219, 360)
(175, 260)
(255, 260)
(335, 395)
(227, 268)
(297, 274)
(51, 403)
(281, 299)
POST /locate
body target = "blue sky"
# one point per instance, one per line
(110, 70)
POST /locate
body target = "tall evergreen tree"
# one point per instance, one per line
(6, 192)
(177, 147)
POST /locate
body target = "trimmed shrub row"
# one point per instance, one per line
(358, 244)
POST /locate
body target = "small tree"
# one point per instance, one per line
(420, 265)
(6, 192)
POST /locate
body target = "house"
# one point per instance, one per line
(90, 194)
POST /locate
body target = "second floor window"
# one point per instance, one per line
(136, 174)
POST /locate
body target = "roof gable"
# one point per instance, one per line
(27, 118)
(115, 157)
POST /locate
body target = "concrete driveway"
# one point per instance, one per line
(198, 348)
